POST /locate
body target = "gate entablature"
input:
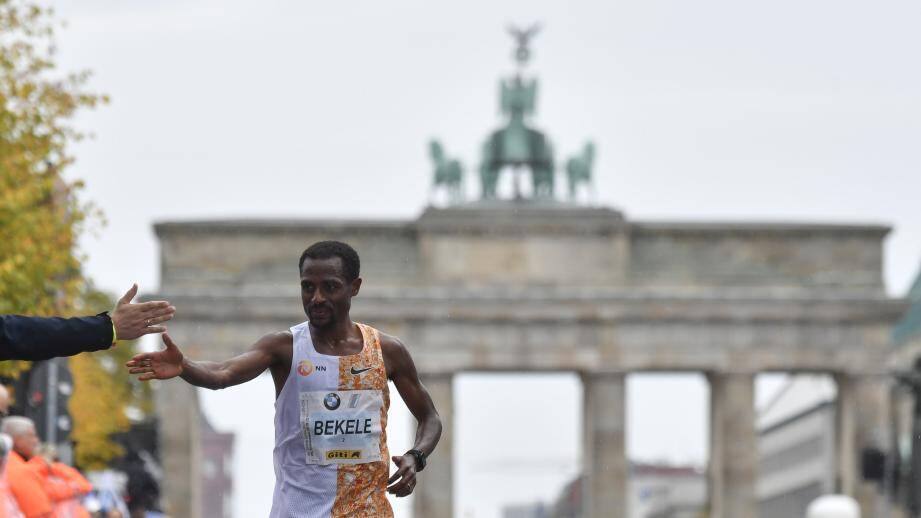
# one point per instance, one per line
(538, 246)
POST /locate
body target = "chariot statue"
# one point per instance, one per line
(517, 145)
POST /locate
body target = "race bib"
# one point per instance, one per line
(342, 426)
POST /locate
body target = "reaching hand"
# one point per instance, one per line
(160, 365)
(135, 320)
(406, 474)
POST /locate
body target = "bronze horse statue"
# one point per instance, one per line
(448, 173)
(579, 169)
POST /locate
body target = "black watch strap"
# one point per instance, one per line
(420, 458)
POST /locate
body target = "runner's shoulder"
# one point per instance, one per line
(276, 342)
(396, 356)
(392, 344)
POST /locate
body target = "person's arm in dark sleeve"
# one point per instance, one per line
(38, 338)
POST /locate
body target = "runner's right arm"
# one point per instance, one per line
(170, 363)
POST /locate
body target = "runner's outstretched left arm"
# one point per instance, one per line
(402, 371)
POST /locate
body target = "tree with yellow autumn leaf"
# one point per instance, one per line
(40, 215)
(41, 218)
(103, 394)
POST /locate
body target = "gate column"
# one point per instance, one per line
(863, 423)
(605, 462)
(434, 494)
(733, 467)
(180, 447)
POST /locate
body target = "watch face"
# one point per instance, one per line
(420, 458)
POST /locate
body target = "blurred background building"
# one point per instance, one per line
(796, 445)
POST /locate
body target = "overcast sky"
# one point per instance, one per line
(709, 110)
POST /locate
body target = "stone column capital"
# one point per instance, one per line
(602, 375)
(729, 373)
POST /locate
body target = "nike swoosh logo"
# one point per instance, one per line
(356, 372)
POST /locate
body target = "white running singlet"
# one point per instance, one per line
(330, 454)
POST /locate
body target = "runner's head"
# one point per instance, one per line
(22, 430)
(329, 280)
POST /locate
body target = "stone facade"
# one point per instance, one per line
(531, 286)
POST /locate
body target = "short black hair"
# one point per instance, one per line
(351, 264)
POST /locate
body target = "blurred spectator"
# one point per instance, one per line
(24, 482)
(63, 484)
(143, 493)
(8, 506)
(106, 500)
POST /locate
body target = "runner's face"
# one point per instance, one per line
(325, 292)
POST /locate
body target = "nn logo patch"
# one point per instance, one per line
(306, 368)
(343, 455)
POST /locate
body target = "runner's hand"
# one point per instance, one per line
(134, 320)
(160, 365)
(406, 474)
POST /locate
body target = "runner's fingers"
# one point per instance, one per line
(138, 359)
(147, 377)
(405, 490)
(140, 370)
(399, 491)
(404, 486)
(396, 488)
(398, 475)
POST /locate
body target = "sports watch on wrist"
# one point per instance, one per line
(420, 458)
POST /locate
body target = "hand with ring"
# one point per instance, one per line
(403, 481)
(135, 320)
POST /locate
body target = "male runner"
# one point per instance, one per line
(331, 397)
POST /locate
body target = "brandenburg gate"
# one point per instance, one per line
(522, 281)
